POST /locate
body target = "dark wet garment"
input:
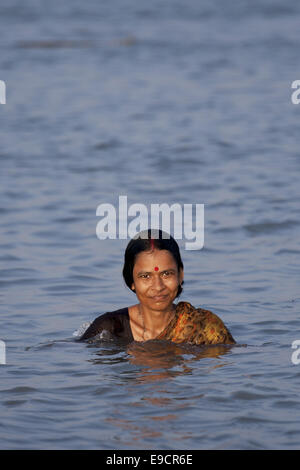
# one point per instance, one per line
(115, 324)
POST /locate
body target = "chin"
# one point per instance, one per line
(161, 303)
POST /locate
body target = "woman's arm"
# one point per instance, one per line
(100, 324)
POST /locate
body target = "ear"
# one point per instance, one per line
(133, 286)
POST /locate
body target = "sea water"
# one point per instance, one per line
(163, 102)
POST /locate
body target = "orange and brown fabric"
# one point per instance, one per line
(196, 326)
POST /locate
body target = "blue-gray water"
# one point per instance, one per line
(186, 102)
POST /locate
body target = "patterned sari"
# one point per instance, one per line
(196, 326)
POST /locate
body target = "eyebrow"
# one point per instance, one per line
(150, 272)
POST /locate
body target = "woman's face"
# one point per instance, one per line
(156, 279)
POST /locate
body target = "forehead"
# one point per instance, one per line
(148, 260)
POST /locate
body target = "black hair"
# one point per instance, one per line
(147, 240)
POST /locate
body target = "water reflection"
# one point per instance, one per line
(157, 409)
(164, 360)
(136, 432)
(158, 360)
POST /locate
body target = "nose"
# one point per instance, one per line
(157, 284)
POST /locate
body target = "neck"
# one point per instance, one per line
(154, 321)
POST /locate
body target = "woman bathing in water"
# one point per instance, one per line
(153, 270)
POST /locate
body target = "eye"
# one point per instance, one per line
(167, 273)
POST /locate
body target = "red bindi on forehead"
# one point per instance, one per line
(156, 268)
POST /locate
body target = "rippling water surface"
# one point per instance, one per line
(163, 102)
